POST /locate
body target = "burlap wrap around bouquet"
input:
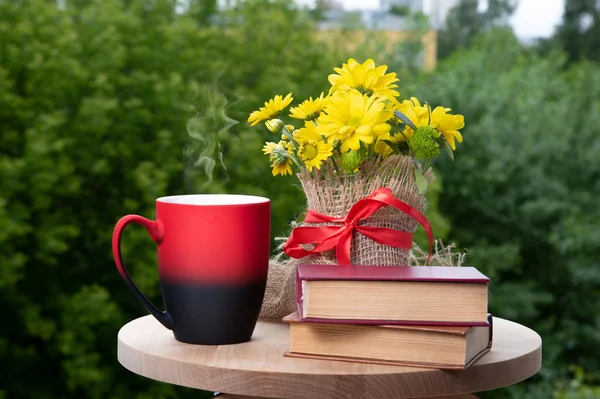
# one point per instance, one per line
(331, 194)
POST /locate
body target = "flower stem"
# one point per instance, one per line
(426, 167)
(290, 137)
(335, 166)
(294, 160)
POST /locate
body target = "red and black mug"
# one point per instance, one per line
(213, 257)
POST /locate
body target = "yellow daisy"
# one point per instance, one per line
(309, 109)
(282, 167)
(366, 78)
(418, 115)
(271, 110)
(313, 153)
(308, 132)
(279, 155)
(448, 125)
(354, 118)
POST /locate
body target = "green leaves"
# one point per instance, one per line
(447, 149)
(405, 119)
(393, 146)
(420, 181)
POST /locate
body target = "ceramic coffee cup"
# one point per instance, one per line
(213, 257)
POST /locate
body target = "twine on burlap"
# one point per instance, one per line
(333, 194)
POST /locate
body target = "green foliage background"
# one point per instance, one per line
(107, 105)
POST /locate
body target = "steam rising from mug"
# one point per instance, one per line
(207, 130)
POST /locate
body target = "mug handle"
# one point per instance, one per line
(155, 229)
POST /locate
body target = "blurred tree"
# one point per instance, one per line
(320, 9)
(468, 20)
(579, 33)
(399, 10)
(521, 195)
(201, 10)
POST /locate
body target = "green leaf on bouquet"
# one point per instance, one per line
(421, 181)
(405, 119)
(447, 148)
(393, 146)
(301, 217)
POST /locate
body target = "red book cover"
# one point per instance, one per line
(462, 274)
(445, 274)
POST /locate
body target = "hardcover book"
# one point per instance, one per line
(442, 347)
(419, 295)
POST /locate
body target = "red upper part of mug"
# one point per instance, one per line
(213, 238)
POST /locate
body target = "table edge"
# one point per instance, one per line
(206, 377)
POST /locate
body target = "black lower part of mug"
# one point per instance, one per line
(213, 314)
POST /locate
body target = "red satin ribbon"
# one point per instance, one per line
(340, 237)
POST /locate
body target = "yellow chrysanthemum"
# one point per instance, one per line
(392, 104)
(271, 110)
(269, 149)
(448, 125)
(418, 115)
(445, 123)
(282, 167)
(309, 109)
(365, 78)
(278, 153)
(354, 118)
(313, 153)
(308, 132)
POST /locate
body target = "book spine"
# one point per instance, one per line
(299, 296)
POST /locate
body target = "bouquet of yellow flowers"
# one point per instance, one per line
(363, 156)
(362, 118)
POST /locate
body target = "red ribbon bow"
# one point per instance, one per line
(340, 237)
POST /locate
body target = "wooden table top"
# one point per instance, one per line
(258, 367)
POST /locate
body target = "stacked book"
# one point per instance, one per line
(426, 316)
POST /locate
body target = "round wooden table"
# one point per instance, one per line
(258, 367)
